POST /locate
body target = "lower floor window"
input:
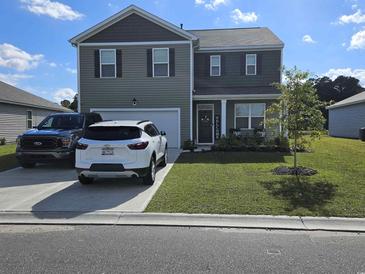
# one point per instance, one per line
(250, 116)
(29, 119)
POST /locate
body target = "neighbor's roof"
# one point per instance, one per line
(260, 37)
(356, 99)
(12, 95)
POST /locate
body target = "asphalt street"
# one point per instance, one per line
(140, 249)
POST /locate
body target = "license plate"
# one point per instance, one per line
(107, 151)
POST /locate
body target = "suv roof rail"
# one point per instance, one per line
(143, 121)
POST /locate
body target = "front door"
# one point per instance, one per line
(205, 126)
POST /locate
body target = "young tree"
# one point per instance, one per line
(297, 111)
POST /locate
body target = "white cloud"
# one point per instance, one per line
(70, 70)
(13, 79)
(308, 39)
(357, 73)
(199, 2)
(13, 57)
(357, 40)
(357, 18)
(64, 93)
(211, 4)
(52, 64)
(243, 17)
(53, 9)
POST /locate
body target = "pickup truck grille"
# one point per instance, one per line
(39, 143)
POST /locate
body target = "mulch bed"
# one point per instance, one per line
(284, 170)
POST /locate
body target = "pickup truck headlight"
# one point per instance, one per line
(66, 141)
(18, 140)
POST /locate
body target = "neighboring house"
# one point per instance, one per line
(347, 117)
(20, 111)
(195, 84)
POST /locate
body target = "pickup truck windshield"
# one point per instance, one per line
(62, 122)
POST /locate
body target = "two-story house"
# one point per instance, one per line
(194, 84)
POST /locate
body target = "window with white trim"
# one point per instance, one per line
(251, 64)
(249, 116)
(215, 65)
(108, 63)
(160, 59)
(29, 119)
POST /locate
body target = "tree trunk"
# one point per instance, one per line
(295, 150)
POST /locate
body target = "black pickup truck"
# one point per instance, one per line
(54, 138)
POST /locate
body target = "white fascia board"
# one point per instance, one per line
(124, 13)
(237, 97)
(144, 43)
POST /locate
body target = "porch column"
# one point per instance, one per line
(223, 117)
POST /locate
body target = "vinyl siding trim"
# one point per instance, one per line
(236, 97)
(241, 48)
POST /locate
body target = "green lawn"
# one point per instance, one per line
(242, 183)
(7, 157)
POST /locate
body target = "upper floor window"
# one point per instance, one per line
(29, 119)
(215, 65)
(160, 59)
(108, 63)
(249, 116)
(251, 64)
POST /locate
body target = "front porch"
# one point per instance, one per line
(215, 118)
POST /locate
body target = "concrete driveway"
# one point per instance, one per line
(49, 188)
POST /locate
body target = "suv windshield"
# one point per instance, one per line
(62, 122)
(112, 133)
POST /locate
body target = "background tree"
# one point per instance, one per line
(299, 109)
(335, 90)
(65, 103)
(74, 104)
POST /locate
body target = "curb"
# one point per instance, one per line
(185, 220)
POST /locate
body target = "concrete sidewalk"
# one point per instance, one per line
(188, 220)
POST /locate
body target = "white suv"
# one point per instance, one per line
(113, 149)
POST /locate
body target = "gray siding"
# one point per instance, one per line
(134, 28)
(346, 121)
(231, 68)
(13, 120)
(171, 92)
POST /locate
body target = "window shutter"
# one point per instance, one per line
(119, 63)
(149, 62)
(259, 63)
(97, 63)
(223, 64)
(243, 64)
(172, 61)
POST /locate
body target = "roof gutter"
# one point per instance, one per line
(346, 104)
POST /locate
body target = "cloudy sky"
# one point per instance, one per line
(324, 37)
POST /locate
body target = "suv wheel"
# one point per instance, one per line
(85, 180)
(164, 159)
(149, 179)
(27, 164)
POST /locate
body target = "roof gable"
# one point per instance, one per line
(106, 28)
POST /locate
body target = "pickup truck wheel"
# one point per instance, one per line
(27, 164)
(149, 179)
(85, 181)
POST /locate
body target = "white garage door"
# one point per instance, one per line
(167, 120)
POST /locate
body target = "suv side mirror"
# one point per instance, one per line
(163, 133)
